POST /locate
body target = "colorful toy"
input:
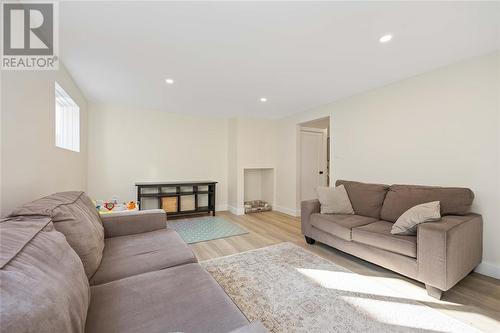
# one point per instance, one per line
(109, 205)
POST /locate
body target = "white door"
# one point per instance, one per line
(313, 168)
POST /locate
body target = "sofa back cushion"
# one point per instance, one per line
(44, 287)
(366, 199)
(400, 198)
(74, 215)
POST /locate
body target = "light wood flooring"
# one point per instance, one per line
(475, 300)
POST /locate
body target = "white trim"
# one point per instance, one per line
(67, 120)
(488, 269)
(236, 211)
(288, 211)
(313, 130)
(324, 164)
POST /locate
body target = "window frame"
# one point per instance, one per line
(66, 120)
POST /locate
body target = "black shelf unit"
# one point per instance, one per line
(159, 194)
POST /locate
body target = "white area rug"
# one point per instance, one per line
(290, 289)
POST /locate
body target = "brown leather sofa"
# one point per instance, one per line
(66, 269)
(441, 254)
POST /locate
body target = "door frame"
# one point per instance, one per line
(300, 129)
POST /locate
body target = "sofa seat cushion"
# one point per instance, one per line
(179, 299)
(378, 234)
(129, 255)
(366, 199)
(75, 216)
(43, 284)
(339, 225)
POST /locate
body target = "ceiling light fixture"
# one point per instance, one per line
(385, 38)
(263, 99)
(169, 81)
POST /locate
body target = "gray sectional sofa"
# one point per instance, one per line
(440, 255)
(66, 269)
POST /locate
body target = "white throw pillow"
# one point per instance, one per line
(334, 200)
(407, 223)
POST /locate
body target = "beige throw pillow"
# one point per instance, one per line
(334, 200)
(407, 223)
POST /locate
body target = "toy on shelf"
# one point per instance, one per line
(113, 206)
(109, 205)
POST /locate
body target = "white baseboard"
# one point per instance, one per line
(236, 211)
(288, 211)
(284, 210)
(488, 269)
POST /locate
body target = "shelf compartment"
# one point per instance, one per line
(169, 204)
(203, 199)
(149, 191)
(169, 189)
(149, 203)
(187, 203)
(185, 189)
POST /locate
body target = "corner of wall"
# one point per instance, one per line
(488, 269)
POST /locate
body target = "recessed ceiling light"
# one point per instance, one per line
(385, 38)
(169, 81)
(263, 99)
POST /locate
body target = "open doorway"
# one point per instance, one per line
(314, 157)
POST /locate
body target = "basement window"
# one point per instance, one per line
(67, 121)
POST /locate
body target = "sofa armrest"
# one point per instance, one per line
(307, 208)
(449, 249)
(135, 222)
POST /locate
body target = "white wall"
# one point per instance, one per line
(252, 145)
(32, 166)
(252, 184)
(129, 145)
(259, 185)
(232, 158)
(439, 128)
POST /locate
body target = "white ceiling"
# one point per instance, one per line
(224, 56)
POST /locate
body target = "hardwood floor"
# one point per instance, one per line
(475, 300)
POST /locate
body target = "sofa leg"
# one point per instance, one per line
(434, 292)
(309, 240)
